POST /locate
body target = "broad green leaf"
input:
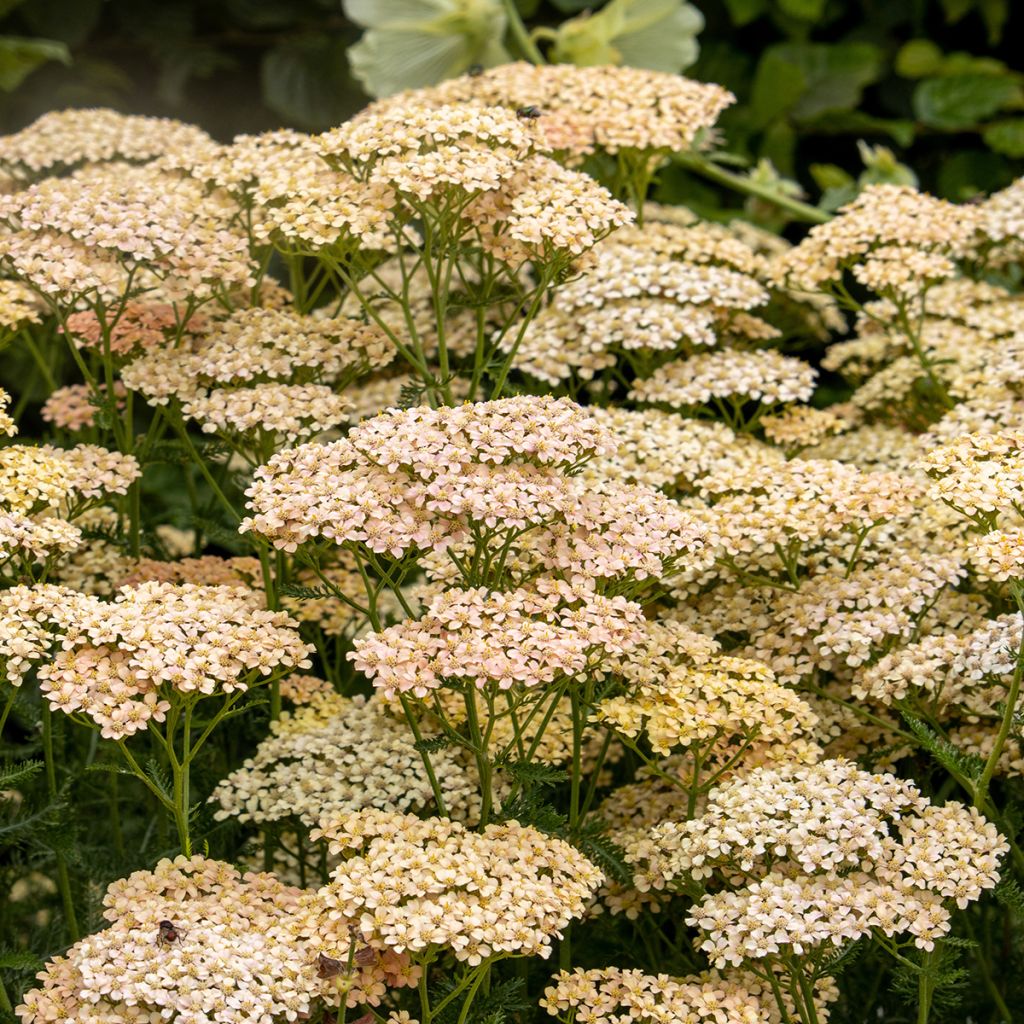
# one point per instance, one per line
(778, 84)
(918, 58)
(20, 57)
(414, 43)
(1006, 137)
(830, 176)
(742, 12)
(959, 102)
(305, 80)
(856, 122)
(810, 79)
(805, 10)
(656, 34)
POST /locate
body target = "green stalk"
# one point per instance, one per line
(521, 36)
(63, 878)
(981, 789)
(738, 183)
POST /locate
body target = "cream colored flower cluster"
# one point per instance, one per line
(36, 539)
(628, 298)
(612, 995)
(193, 941)
(800, 426)
(824, 854)
(665, 450)
(417, 886)
(63, 139)
(335, 756)
(583, 108)
(898, 240)
(999, 555)
(723, 701)
(35, 477)
(85, 234)
(119, 661)
(980, 474)
(524, 637)
(8, 427)
(727, 376)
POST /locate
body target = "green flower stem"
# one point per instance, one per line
(428, 767)
(738, 183)
(5, 999)
(925, 989)
(522, 37)
(981, 789)
(63, 878)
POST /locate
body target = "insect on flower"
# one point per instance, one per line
(328, 967)
(168, 934)
(529, 113)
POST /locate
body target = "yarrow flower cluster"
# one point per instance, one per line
(415, 886)
(119, 660)
(823, 854)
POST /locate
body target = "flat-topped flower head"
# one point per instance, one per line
(498, 640)
(193, 939)
(896, 239)
(63, 139)
(121, 662)
(980, 473)
(335, 756)
(507, 890)
(586, 108)
(421, 151)
(729, 375)
(824, 853)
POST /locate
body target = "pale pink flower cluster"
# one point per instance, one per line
(335, 756)
(229, 958)
(65, 138)
(481, 638)
(545, 213)
(419, 886)
(729, 375)
(418, 477)
(120, 661)
(86, 233)
(140, 324)
(72, 407)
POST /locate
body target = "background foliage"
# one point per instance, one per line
(939, 82)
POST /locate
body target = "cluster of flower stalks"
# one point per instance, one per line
(436, 592)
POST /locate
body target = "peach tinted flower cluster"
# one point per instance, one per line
(230, 959)
(120, 661)
(417, 478)
(485, 639)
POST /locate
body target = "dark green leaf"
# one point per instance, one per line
(17, 960)
(1006, 137)
(305, 80)
(743, 11)
(20, 57)
(959, 102)
(70, 21)
(14, 774)
(805, 10)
